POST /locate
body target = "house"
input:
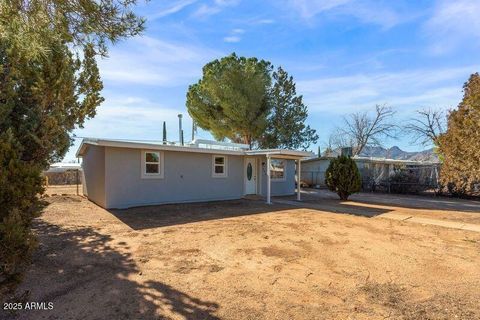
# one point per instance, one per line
(373, 171)
(125, 173)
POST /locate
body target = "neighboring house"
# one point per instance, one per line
(122, 173)
(374, 171)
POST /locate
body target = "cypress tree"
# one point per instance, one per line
(342, 176)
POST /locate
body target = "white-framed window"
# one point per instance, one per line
(219, 166)
(152, 164)
(278, 169)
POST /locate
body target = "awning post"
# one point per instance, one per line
(299, 175)
(268, 180)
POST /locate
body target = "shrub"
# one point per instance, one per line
(404, 181)
(20, 184)
(343, 177)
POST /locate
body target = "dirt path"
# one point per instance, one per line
(247, 260)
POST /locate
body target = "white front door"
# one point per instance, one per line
(250, 176)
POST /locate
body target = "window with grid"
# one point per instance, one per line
(219, 166)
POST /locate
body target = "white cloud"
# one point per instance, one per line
(234, 35)
(150, 61)
(206, 10)
(173, 8)
(452, 24)
(263, 21)
(365, 11)
(406, 91)
(310, 8)
(232, 39)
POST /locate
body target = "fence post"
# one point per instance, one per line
(76, 174)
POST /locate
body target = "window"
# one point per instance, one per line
(152, 164)
(219, 166)
(277, 169)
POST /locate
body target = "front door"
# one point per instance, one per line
(250, 176)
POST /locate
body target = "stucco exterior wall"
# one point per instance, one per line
(93, 165)
(279, 188)
(187, 178)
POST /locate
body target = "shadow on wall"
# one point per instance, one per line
(86, 276)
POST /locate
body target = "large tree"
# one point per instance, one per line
(49, 84)
(286, 126)
(231, 99)
(363, 129)
(460, 144)
(235, 99)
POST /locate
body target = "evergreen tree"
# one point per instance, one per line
(235, 99)
(49, 84)
(342, 176)
(460, 145)
(286, 123)
(164, 137)
(231, 99)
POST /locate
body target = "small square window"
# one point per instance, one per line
(219, 166)
(152, 164)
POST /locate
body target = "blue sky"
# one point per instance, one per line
(345, 56)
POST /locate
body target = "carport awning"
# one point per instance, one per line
(281, 153)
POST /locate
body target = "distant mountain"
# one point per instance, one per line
(396, 153)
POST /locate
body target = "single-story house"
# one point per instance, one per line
(125, 173)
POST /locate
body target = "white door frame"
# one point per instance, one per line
(255, 174)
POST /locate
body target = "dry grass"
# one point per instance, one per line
(247, 260)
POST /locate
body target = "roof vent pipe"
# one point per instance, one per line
(180, 128)
(164, 138)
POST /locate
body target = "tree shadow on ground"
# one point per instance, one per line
(88, 276)
(140, 218)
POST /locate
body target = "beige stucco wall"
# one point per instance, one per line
(93, 165)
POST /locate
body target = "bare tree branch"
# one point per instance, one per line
(427, 127)
(362, 129)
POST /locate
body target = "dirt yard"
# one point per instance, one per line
(247, 260)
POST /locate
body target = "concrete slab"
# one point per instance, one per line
(433, 222)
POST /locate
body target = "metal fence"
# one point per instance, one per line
(380, 178)
(313, 178)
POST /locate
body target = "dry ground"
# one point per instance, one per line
(247, 260)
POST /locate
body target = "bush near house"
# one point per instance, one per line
(343, 177)
(404, 181)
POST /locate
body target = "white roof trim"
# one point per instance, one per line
(279, 153)
(150, 146)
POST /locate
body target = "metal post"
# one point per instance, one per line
(299, 176)
(76, 174)
(268, 180)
